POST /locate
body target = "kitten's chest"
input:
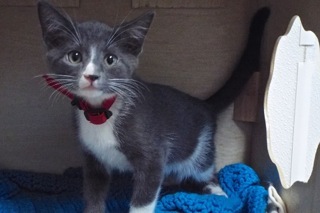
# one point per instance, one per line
(102, 142)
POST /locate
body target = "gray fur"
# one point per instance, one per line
(158, 132)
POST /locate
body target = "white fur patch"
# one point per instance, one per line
(83, 82)
(87, 87)
(89, 70)
(190, 167)
(102, 142)
(215, 189)
(147, 208)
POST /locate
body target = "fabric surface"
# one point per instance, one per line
(38, 192)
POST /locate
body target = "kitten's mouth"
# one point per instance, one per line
(89, 92)
(91, 87)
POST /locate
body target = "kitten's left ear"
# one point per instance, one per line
(57, 28)
(131, 35)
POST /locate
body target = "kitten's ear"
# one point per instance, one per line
(131, 35)
(56, 27)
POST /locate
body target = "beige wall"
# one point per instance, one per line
(301, 198)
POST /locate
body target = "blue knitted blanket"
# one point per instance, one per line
(37, 192)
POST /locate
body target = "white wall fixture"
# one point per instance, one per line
(292, 104)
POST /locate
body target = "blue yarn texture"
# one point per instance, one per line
(39, 192)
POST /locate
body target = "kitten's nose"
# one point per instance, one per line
(91, 78)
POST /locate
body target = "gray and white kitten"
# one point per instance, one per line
(156, 132)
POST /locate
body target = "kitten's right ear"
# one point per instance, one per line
(56, 27)
(131, 35)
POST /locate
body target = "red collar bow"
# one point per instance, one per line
(94, 115)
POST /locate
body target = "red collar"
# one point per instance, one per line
(94, 115)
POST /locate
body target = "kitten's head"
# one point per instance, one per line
(91, 59)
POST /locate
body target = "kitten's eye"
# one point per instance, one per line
(75, 57)
(110, 59)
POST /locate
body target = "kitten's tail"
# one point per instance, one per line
(248, 63)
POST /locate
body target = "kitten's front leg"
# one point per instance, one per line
(95, 185)
(146, 190)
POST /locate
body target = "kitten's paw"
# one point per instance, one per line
(94, 209)
(213, 188)
(149, 208)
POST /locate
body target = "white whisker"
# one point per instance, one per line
(55, 25)
(116, 29)
(129, 90)
(136, 35)
(119, 40)
(66, 82)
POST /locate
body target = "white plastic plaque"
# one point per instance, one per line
(292, 104)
